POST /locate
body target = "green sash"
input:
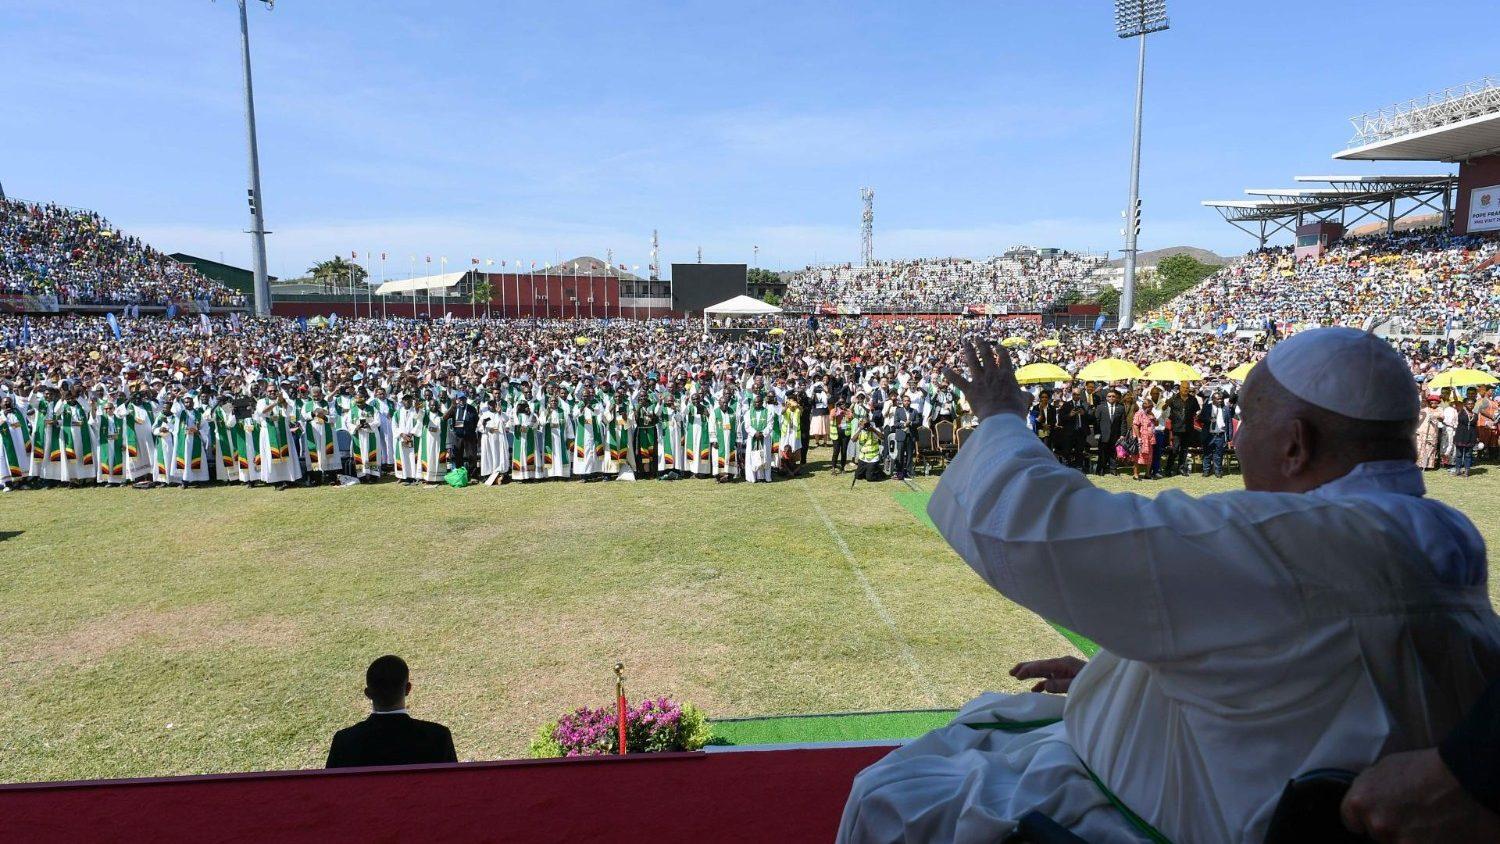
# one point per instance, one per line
(15, 458)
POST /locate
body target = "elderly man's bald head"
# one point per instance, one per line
(1288, 444)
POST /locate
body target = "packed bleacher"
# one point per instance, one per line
(76, 257)
(1021, 280)
(1419, 282)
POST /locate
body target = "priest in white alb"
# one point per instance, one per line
(1326, 616)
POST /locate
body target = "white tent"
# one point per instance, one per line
(739, 306)
(426, 283)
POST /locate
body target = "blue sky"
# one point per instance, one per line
(536, 131)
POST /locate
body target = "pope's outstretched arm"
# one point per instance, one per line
(1149, 579)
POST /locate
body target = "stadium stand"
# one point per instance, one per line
(1021, 280)
(1421, 282)
(77, 257)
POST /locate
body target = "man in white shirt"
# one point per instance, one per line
(1324, 617)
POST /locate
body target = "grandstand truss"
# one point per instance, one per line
(1386, 198)
(1440, 108)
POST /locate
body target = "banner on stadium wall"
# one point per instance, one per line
(191, 306)
(17, 304)
(1484, 209)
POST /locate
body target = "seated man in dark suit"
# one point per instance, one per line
(390, 736)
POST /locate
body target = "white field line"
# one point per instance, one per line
(907, 656)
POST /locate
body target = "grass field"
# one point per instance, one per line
(220, 629)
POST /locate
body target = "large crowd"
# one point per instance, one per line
(276, 402)
(1022, 279)
(1419, 282)
(76, 257)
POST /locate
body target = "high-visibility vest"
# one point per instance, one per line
(869, 447)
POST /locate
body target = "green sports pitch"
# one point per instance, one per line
(160, 632)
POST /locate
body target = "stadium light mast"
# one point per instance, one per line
(1136, 19)
(257, 216)
(867, 227)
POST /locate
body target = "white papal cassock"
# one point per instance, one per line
(1248, 638)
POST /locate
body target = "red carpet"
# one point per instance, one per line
(783, 796)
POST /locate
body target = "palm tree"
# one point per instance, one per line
(337, 270)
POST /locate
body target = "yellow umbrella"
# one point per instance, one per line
(1046, 344)
(1041, 373)
(1172, 370)
(582, 341)
(1460, 378)
(776, 331)
(1014, 342)
(1241, 372)
(1110, 369)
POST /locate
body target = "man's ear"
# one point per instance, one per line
(408, 687)
(367, 693)
(1298, 451)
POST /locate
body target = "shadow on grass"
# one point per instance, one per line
(9, 534)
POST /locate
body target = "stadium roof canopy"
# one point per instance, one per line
(1278, 209)
(443, 281)
(1455, 124)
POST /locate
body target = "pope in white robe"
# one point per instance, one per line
(1247, 637)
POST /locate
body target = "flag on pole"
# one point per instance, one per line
(203, 323)
(234, 320)
(302, 323)
(474, 261)
(114, 325)
(354, 256)
(171, 310)
(1099, 323)
(25, 330)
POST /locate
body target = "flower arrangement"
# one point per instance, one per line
(654, 725)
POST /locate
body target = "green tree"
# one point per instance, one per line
(1173, 277)
(481, 293)
(762, 277)
(767, 280)
(336, 272)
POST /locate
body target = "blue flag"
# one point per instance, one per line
(1219, 331)
(25, 330)
(1099, 323)
(332, 318)
(114, 325)
(302, 323)
(171, 310)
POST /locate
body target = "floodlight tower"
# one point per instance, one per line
(655, 267)
(257, 216)
(1136, 19)
(867, 227)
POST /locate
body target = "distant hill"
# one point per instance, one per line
(1419, 221)
(585, 263)
(1149, 259)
